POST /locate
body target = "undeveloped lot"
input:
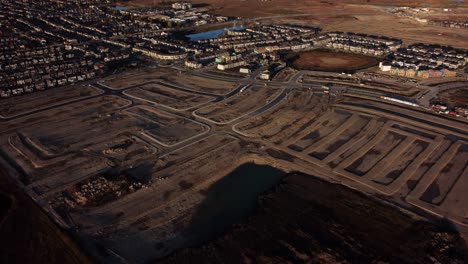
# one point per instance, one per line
(239, 105)
(197, 83)
(165, 128)
(137, 77)
(455, 97)
(135, 183)
(293, 114)
(169, 97)
(322, 128)
(18, 105)
(363, 164)
(324, 60)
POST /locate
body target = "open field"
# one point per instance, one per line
(168, 97)
(137, 180)
(321, 60)
(297, 111)
(14, 106)
(239, 105)
(201, 84)
(165, 128)
(136, 77)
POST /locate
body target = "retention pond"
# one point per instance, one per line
(231, 199)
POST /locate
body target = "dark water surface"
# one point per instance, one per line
(231, 199)
(210, 34)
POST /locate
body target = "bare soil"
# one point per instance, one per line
(239, 104)
(169, 97)
(18, 105)
(136, 77)
(201, 84)
(332, 61)
(455, 97)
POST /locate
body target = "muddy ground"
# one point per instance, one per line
(306, 220)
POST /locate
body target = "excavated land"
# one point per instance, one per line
(323, 60)
(299, 110)
(140, 181)
(136, 77)
(202, 84)
(168, 97)
(456, 97)
(239, 105)
(15, 106)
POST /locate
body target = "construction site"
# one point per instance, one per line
(139, 166)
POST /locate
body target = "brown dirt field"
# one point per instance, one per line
(165, 127)
(136, 77)
(306, 220)
(455, 97)
(22, 104)
(163, 95)
(201, 84)
(239, 104)
(278, 124)
(333, 61)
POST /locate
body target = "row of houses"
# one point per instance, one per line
(450, 24)
(254, 43)
(361, 43)
(50, 43)
(425, 61)
(152, 53)
(411, 73)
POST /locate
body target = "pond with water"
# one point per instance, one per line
(211, 34)
(231, 199)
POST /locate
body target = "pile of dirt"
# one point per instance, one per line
(324, 60)
(454, 97)
(306, 220)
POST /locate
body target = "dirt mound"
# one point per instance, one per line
(306, 220)
(454, 97)
(323, 60)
